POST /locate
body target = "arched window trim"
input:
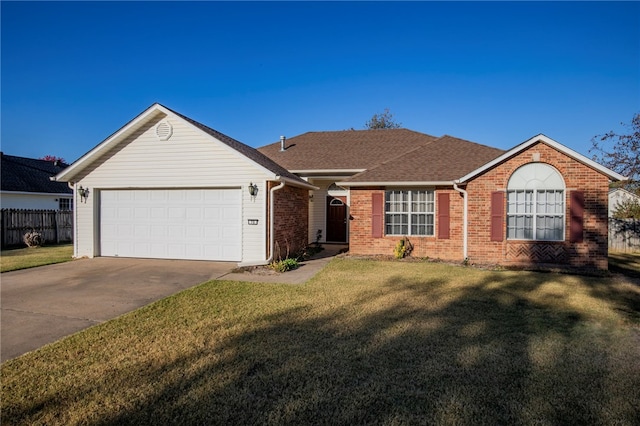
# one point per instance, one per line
(536, 203)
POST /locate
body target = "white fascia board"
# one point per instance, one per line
(425, 183)
(67, 174)
(556, 145)
(296, 183)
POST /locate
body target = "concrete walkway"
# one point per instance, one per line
(307, 270)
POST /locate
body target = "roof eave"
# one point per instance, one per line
(556, 145)
(327, 171)
(397, 183)
(299, 184)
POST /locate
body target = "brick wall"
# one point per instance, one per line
(591, 253)
(291, 220)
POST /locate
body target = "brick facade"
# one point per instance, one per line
(590, 253)
(291, 220)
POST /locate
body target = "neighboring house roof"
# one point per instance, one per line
(247, 151)
(344, 151)
(621, 192)
(20, 174)
(441, 161)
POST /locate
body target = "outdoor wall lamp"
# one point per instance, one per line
(83, 193)
(253, 189)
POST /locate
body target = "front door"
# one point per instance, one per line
(337, 219)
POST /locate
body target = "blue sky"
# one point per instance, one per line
(494, 73)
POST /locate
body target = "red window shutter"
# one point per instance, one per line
(497, 216)
(576, 211)
(377, 215)
(443, 216)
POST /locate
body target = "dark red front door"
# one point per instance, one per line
(336, 219)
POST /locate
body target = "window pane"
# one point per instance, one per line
(549, 228)
(396, 224)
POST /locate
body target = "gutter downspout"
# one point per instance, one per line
(271, 227)
(72, 185)
(272, 237)
(465, 221)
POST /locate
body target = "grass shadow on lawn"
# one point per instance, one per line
(470, 347)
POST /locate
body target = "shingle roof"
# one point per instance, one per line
(344, 150)
(22, 174)
(245, 150)
(445, 159)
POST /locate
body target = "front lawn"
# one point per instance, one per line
(364, 342)
(30, 257)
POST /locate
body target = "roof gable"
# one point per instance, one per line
(439, 162)
(21, 174)
(258, 159)
(346, 150)
(550, 142)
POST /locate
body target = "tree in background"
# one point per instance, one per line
(627, 209)
(382, 121)
(53, 159)
(624, 155)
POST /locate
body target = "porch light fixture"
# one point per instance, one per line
(253, 189)
(83, 193)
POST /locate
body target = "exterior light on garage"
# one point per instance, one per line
(253, 189)
(83, 193)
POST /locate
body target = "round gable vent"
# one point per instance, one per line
(164, 130)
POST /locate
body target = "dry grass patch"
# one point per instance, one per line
(11, 260)
(363, 342)
(625, 263)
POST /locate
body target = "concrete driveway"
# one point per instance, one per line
(42, 305)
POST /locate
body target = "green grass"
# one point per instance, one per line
(364, 342)
(11, 260)
(625, 263)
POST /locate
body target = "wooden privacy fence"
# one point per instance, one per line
(56, 226)
(624, 234)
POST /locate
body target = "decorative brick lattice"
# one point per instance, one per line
(543, 253)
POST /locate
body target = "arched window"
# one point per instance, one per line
(535, 203)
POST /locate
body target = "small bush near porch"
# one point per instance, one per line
(364, 342)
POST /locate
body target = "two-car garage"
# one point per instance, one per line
(167, 187)
(198, 224)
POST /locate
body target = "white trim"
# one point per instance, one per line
(465, 221)
(433, 183)
(296, 183)
(556, 145)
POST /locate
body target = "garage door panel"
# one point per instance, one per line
(202, 224)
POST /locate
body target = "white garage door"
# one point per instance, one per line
(199, 224)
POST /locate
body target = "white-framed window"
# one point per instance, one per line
(536, 204)
(65, 204)
(409, 212)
